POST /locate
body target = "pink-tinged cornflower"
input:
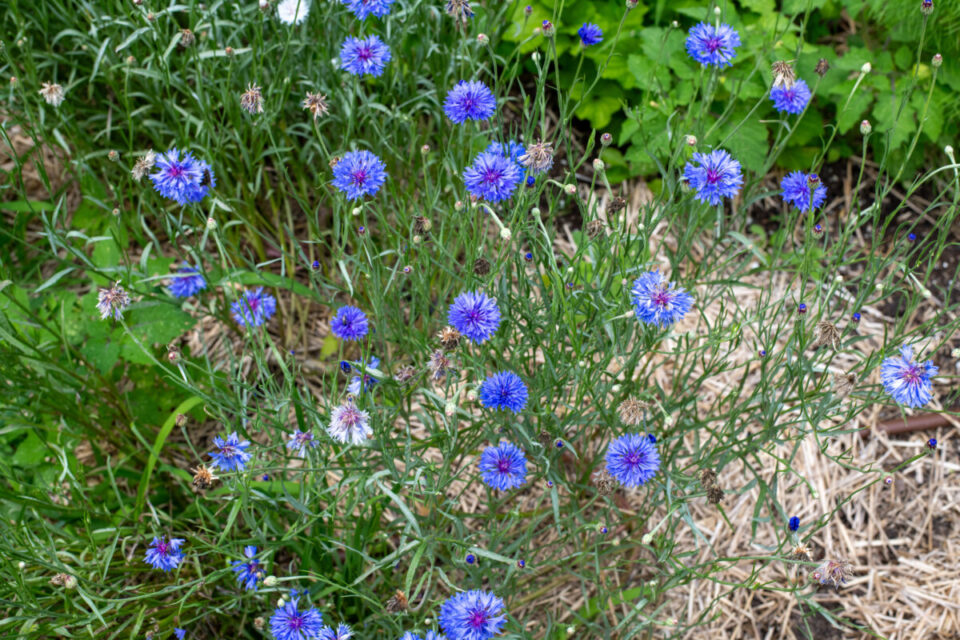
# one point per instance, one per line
(908, 381)
(349, 425)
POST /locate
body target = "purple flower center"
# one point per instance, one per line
(468, 104)
(175, 171)
(478, 619)
(365, 53)
(295, 623)
(163, 548)
(492, 175)
(253, 304)
(227, 450)
(713, 176)
(632, 459)
(661, 298)
(714, 44)
(790, 95)
(911, 375)
(359, 177)
(503, 465)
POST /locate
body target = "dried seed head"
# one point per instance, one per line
(595, 228)
(438, 365)
(52, 93)
(800, 550)
(631, 411)
(545, 438)
(397, 603)
(460, 11)
(833, 572)
(203, 479)
(481, 266)
(180, 420)
(783, 74)
(844, 383)
(252, 100)
(316, 103)
(334, 161)
(707, 477)
(259, 623)
(449, 338)
(421, 225)
(826, 333)
(405, 374)
(617, 204)
(605, 483)
(714, 494)
(538, 157)
(822, 67)
(143, 165)
(186, 38)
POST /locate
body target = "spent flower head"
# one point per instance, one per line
(251, 100)
(112, 301)
(52, 93)
(316, 103)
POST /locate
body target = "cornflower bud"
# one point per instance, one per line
(483, 38)
(926, 7)
(691, 140)
(598, 165)
(865, 128)
(548, 29)
(606, 139)
(866, 68)
(937, 60)
(570, 189)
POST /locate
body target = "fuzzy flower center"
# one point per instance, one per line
(365, 53)
(713, 45)
(477, 619)
(351, 417)
(295, 623)
(254, 304)
(359, 178)
(503, 465)
(713, 176)
(632, 459)
(661, 298)
(227, 450)
(911, 375)
(492, 175)
(175, 171)
(163, 548)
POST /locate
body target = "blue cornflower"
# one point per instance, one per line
(470, 101)
(230, 454)
(590, 34)
(794, 523)
(360, 56)
(343, 632)
(797, 190)
(348, 424)
(504, 390)
(349, 323)
(713, 46)
(363, 8)
(187, 180)
(791, 99)
(718, 176)
(254, 308)
(289, 623)
(358, 385)
(300, 440)
(657, 301)
(431, 635)
(180, 633)
(632, 459)
(249, 571)
(493, 176)
(164, 553)
(475, 316)
(359, 173)
(515, 151)
(188, 283)
(472, 615)
(906, 380)
(504, 466)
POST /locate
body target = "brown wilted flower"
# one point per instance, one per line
(405, 374)
(252, 100)
(631, 411)
(605, 483)
(844, 383)
(595, 228)
(800, 550)
(826, 333)
(822, 67)
(421, 225)
(186, 38)
(180, 420)
(833, 572)
(64, 580)
(203, 479)
(545, 438)
(259, 623)
(481, 266)
(617, 204)
(334, 161)
(538, 157)
(707, 477)
(449, 338)
(783, 74)
(316, 104)
(143, 165)
(52, 93)
(438, 365)
(714, 494)
(460, 11)
(397, 603)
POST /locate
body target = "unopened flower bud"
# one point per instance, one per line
(646, 538)
(228, 51)
(181, 419)
(535, 56)
(691, 140)
(417, 239)
(598, 165)
(259, 623)
(866, 68)
(356, 211)
(115, 211)
(606, 139)
(113, 155)
(211, 224)
(535, 212)
(472, 395)
(450, 409)
(937, 60)
(570, 189)
(13, 81)
(151, 17)
(270, 581)
(458, 205)
(527, 10)
(21, 565)
(425, 149)
(822, 67)
(949, 151)
(69, 582)
(483, 38)
(675, 24)
(505, 234)
(264, 5)
(631, 4)
(926, 7)
(865, 127)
